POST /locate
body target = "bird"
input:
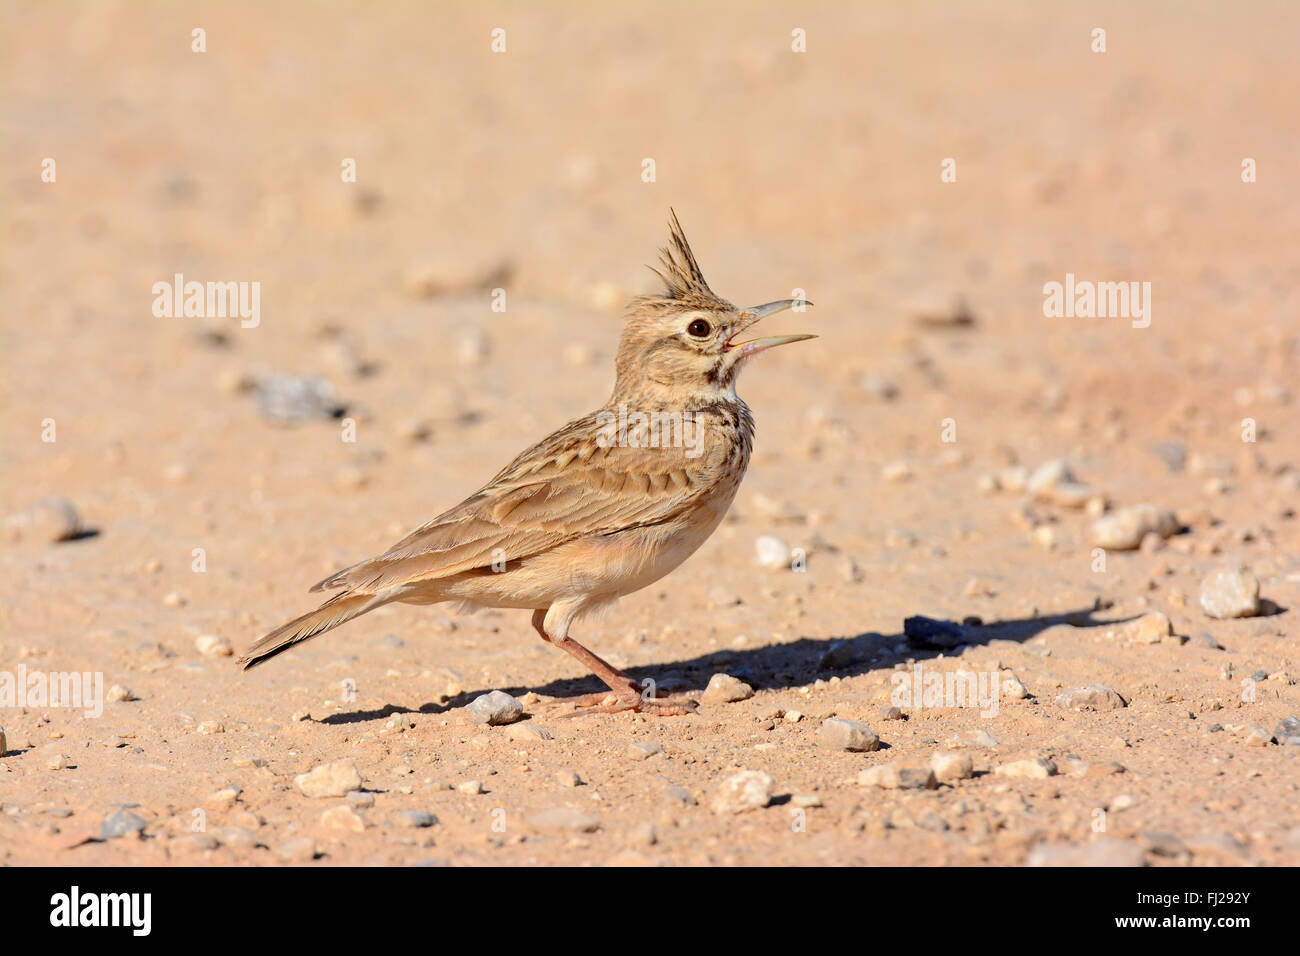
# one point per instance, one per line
(605, 506)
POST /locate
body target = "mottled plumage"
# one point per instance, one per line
(608, 504)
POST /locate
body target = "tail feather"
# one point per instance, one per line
(337, 610)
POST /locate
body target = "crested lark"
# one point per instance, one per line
(601, 508)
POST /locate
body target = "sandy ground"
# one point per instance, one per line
(522, 170)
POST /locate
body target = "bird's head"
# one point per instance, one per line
(687, 342)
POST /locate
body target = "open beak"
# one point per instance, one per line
(749, 317)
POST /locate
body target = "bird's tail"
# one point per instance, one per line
(337, 610)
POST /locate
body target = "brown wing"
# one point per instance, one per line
(566, 487)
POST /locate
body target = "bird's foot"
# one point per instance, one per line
(630, 699)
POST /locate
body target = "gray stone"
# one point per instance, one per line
(927, 632)
(565, 818)
(840, 734)
(680, 795)
(51, 519)
(1230, 592)
(416, 819)
(495, 708)
(1172, 453)
(950, 767)
(1107, 851)
(329, 780)
(644, 749)
(1124, 530)
(1287, 732)
(895, 776)
(1092, 698)
(747, 790)
(1203, 639)
(1034, 768)
(725, 689)
(120, 824)
(297, 851)
(286, 400)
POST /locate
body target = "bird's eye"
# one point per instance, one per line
(699, 329)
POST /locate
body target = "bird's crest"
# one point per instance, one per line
(684, 284)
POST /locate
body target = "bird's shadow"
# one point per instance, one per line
(794, 664)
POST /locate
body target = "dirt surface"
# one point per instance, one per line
(523, 170)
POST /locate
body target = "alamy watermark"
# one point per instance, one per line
(927, 689)
(659, 429)
(208, 300)
(1085, 299)
(82, 690)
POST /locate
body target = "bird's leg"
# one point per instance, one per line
(623, 688)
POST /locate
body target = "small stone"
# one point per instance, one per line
(894, 776)
(120, 824)
(238, 838)
(1162, 843)
(1124, 530)
(1071, 494)
(472, 787)
(343, 818)
(1010, 687)
(51, 519)
(949, 767)
(225, 797)
(926, 632)
(878, 388)
(495, 708)
(211, 645)
(747, 790)
(1229, 593)
(1257, 736)
(302, 850)
(1035, 768)
(329, 780)
(54, 760)
(473, 348)
(805, 800)
(286, 400)
(210, 727)
(725, 689)
(1107, 851)
(720, 596)
(838, 655)
(840, 734)
(680, 795)
(1092, 698)
(772, 553)
(1013, 478)
(528, 733)
(568, 778)
(975, 738)
(1150, 628)
(896, 472)
(1202, 639)
(1172, 453)
(416, 819)
(1044, 479)
(360, 799)
(200, 842)
(565, 818)
(643, 834)
(1286, 733)
(117, 694)
(644, 749)
(891, 713)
